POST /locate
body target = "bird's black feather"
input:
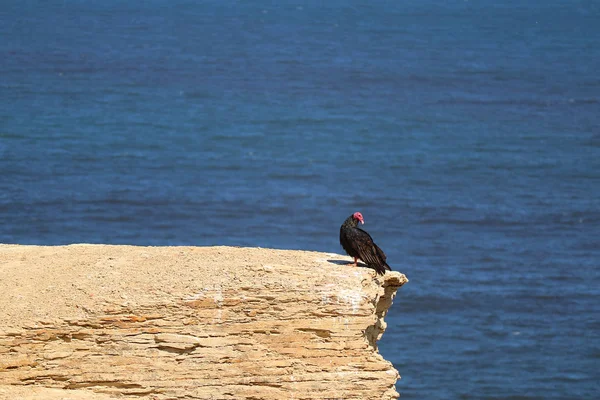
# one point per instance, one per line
(359, 244)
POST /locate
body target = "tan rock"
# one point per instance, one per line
(102, 322)
(43, 393)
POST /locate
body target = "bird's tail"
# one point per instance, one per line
(382, 268)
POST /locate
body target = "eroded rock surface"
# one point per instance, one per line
(100, 322)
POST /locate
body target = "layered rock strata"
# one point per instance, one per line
(103, 322)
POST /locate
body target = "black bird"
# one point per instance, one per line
(359, 245)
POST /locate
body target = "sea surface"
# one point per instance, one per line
(466, 132)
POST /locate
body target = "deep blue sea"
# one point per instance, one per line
(466, 132)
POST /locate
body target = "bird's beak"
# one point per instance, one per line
(362, 221)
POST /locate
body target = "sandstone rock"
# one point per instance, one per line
(102, 322)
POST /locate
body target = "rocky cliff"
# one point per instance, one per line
(102, 322)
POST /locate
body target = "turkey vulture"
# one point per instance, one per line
(359, 244)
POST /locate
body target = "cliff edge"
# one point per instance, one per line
(99, 322)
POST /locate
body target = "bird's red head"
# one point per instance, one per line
(358, 216)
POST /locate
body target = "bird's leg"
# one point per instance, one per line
(355, 262)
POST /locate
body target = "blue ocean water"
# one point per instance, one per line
(466, 132)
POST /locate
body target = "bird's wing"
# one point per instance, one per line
(369, 252)
(384, 265)
(380, 253)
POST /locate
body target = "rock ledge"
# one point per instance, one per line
(98, 322)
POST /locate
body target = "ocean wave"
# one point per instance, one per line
(540, 103)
